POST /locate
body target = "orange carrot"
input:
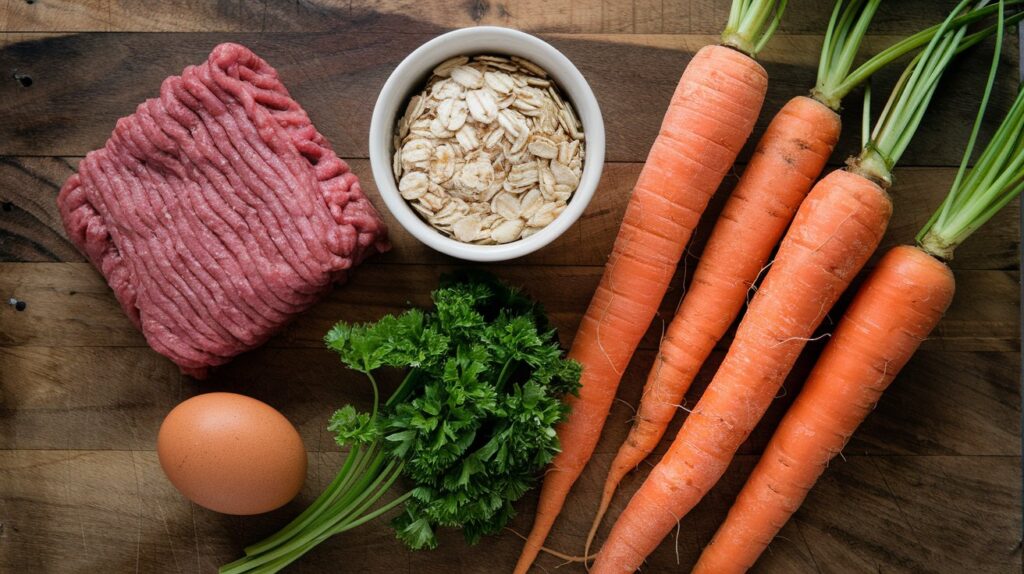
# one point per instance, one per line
(834, 233)
(710, 117)
(895, 309)
(788, 160)
(836, 229)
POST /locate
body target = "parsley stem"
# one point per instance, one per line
(298, 552)
(405, 387)
(376, 395)
(357, 518)
(354, 502)
(337, 486)
(370, 468)
(504, 375)
(340, 488)
(283, 561)
(359, 502)
(380, 511)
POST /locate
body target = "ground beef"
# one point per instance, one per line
(217, 212)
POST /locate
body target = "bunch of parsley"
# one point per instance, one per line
(468, 431)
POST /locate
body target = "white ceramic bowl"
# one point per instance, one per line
(409, 78)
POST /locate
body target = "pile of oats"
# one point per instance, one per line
(489, 152)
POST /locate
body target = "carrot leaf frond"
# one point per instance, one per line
(836, 86)
(865, 118)
(846, 29)
(979, 193)
(752, 23)
(911, 96)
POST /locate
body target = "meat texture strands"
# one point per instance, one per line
(217, 211)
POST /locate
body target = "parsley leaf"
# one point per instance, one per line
(351, 427)
(479, 425)
(466, 434)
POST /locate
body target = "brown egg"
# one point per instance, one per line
(232, 453)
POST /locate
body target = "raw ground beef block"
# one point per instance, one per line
(217, 212)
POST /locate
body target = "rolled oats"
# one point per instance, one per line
(444, 69)
(468, 76)
(483, 106)
(508, 231)
(490, 152)
(467, 228)
(413, 185)
(506, 205)
(543, 147)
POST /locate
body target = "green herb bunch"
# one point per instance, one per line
(468, 430)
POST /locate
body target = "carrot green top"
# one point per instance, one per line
(751, 24)
(979, 193)
(909, 100)
(846, 30)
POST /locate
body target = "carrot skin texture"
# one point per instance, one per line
(711, 115)
(788, 160)
(832, 236)
(896, 308)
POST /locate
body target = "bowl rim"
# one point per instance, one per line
(407, 75)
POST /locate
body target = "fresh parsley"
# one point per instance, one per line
(466, 433)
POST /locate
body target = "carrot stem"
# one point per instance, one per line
(844, 86)
(909, 100)
(751, 24)
(846, 30)
(865, 121)
(996, 178)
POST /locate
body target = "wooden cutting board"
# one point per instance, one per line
(930, 483)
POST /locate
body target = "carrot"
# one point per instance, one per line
(892, 313)
(896, 308)
(710, 117)
(835, 231)
(787, 161)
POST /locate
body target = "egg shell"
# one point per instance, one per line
(231, 453)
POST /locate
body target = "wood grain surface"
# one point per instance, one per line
(930, 483)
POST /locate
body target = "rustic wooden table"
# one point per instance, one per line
(931, 483)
